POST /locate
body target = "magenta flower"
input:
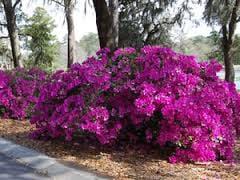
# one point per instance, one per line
(156, 96)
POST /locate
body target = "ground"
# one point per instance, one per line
(122, 163)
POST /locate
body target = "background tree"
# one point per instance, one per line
(217, 52)
(89, 43)
(226, 14)
(107, 17)
(236, 49)
(10, 9)
(199, 46)
(40, 40)
(216, 44)
(144, 22)
(5, 55)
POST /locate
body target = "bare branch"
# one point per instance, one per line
(4, 37)
(3, 24)
(16, 3)
(57, 2)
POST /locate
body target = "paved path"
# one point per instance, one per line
(36, 162)
(10, 170)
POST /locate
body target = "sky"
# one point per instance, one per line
(85, 23)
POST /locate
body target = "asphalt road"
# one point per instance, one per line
(11, 170)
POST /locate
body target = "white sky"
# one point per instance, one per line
(85, 23)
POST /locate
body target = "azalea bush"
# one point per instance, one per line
(155, 96)
(19, 90)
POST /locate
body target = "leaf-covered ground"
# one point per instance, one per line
(119, 163)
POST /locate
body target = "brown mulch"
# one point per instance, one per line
(123, 163)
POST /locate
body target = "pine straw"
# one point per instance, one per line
(122, 163)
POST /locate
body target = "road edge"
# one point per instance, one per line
(42, 163)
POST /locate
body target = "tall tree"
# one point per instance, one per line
(10, 8)
(40, 40)
(68, 6)
(226, 14)
(107, 17)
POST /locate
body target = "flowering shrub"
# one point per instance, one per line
(157, 96)
(18, 92)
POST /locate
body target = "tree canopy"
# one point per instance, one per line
(144, 22)
(40, 39)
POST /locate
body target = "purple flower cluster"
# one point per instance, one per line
(156, 96)
(19, 91)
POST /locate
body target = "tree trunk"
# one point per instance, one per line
(15, 47)
(229, 68)
(228, 62)
(12, 31)
(107, 23)
(113, 7)
(227, 42)
(102, 21)
(69, 7)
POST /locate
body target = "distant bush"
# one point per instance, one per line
(19, 90)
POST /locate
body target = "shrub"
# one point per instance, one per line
(19, 90)
(154, 96)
